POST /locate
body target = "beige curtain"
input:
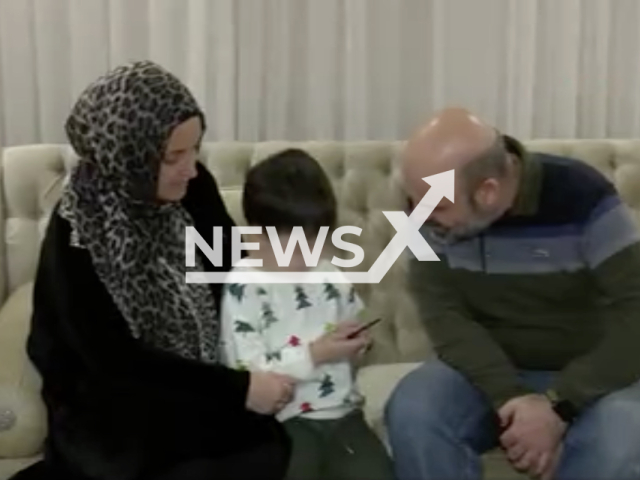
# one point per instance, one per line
(335, 69)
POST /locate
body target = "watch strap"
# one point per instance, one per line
(563, 408)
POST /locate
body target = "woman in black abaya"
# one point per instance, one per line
(128, 352)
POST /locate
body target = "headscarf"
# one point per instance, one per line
(119, 128)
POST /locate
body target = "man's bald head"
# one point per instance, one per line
(452, 139)
(486, 178)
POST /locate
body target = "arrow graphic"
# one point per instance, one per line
(407, 235)
(407, 228)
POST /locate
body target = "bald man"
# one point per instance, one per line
(533, 311)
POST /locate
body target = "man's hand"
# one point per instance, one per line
(549, 467)
(533, 434)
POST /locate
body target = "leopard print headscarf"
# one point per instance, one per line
(119, 127)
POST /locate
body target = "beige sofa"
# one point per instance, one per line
(366, 183)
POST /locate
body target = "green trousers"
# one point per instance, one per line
(341, 449)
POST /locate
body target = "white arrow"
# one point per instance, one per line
(442, 186)
(408, 234)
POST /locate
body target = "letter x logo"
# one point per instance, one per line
(408, 227)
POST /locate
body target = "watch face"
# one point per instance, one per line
(565, 410)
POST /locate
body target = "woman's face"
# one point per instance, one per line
(179, 163)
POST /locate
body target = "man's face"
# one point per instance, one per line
(465, 218)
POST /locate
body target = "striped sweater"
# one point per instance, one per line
(552, 285)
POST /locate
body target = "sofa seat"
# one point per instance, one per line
(22, 432)
(11, 466)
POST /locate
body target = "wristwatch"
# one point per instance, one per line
(563, 408)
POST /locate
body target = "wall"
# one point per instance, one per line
(335, 69)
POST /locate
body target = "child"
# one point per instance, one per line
(300, 330)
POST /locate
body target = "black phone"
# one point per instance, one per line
(367, 326)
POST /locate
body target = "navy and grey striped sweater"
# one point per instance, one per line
(553, 285)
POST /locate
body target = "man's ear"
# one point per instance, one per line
(409, 205)
(487, 193)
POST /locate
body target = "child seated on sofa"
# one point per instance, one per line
(300, 330)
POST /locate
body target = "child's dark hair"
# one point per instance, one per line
(289, 189)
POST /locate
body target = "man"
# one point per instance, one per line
(533, 311)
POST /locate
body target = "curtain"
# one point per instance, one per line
(335, 69)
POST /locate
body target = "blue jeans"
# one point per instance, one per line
(439, 425)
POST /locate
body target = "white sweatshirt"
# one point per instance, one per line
(269, 327)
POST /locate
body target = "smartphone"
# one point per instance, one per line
(367, 326)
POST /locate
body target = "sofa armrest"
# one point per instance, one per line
(22, 412)
(22, 422)
(376, 383)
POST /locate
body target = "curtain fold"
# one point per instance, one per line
(334, 69)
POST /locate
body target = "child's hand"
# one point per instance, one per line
(346, 328)
(335, 346)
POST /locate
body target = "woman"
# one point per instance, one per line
(128, 352)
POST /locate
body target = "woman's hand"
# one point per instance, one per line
(269, 392)
(336, 346)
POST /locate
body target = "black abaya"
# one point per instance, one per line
(120, 410)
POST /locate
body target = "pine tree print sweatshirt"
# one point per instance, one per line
(269, 327)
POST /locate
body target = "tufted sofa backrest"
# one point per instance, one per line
(366, 182)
